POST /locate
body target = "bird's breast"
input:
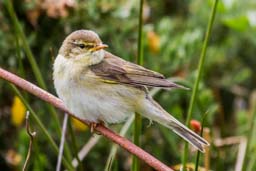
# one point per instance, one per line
(88, 97)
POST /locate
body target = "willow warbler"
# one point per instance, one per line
(98, 86)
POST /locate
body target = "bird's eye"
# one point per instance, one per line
(82, 46)
(87, 46)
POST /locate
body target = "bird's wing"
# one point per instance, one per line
(116, 70)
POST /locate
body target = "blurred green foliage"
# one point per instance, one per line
(173, 33)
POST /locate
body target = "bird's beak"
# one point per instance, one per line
(98, 47)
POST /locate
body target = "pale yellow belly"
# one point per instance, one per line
(98, 101)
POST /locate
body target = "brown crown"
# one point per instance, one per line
(82, 35)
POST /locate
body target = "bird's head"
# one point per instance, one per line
(83, 46)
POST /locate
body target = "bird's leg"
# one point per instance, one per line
(93, 125)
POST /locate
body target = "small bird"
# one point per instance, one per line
(100, 87)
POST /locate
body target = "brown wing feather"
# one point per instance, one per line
(130, 67)
(113, 68)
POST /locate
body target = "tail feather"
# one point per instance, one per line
(190, 137)
(154, 111)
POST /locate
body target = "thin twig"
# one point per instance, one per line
(31, 135)
(251, 130)
(62, 141)
(123, 142)
(242, 144)
(241, 154)
(227, 141)
(75, 147)
(41, 127)
(206, 135)
(86, 148)
(114, 147)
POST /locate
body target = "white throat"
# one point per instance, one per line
(74, 64)
(96, 57)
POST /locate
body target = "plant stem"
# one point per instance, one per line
(19, 33)
(75, 146)
(31, 136)
(136, 140)
(62, 142)
(137, 123)
(251, 130)
(26, 47)
(201, 133)
(140, 56)
(199, 74)
(112, 155)
(41, 126)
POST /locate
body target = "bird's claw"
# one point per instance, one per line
(93, 125)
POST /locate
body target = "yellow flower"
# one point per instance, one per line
(153, 42)
(78, 125)
(17, 111)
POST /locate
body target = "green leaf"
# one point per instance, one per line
(239, 23)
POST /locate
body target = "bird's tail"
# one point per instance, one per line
(155, 112)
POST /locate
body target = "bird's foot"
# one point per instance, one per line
(93, 125)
